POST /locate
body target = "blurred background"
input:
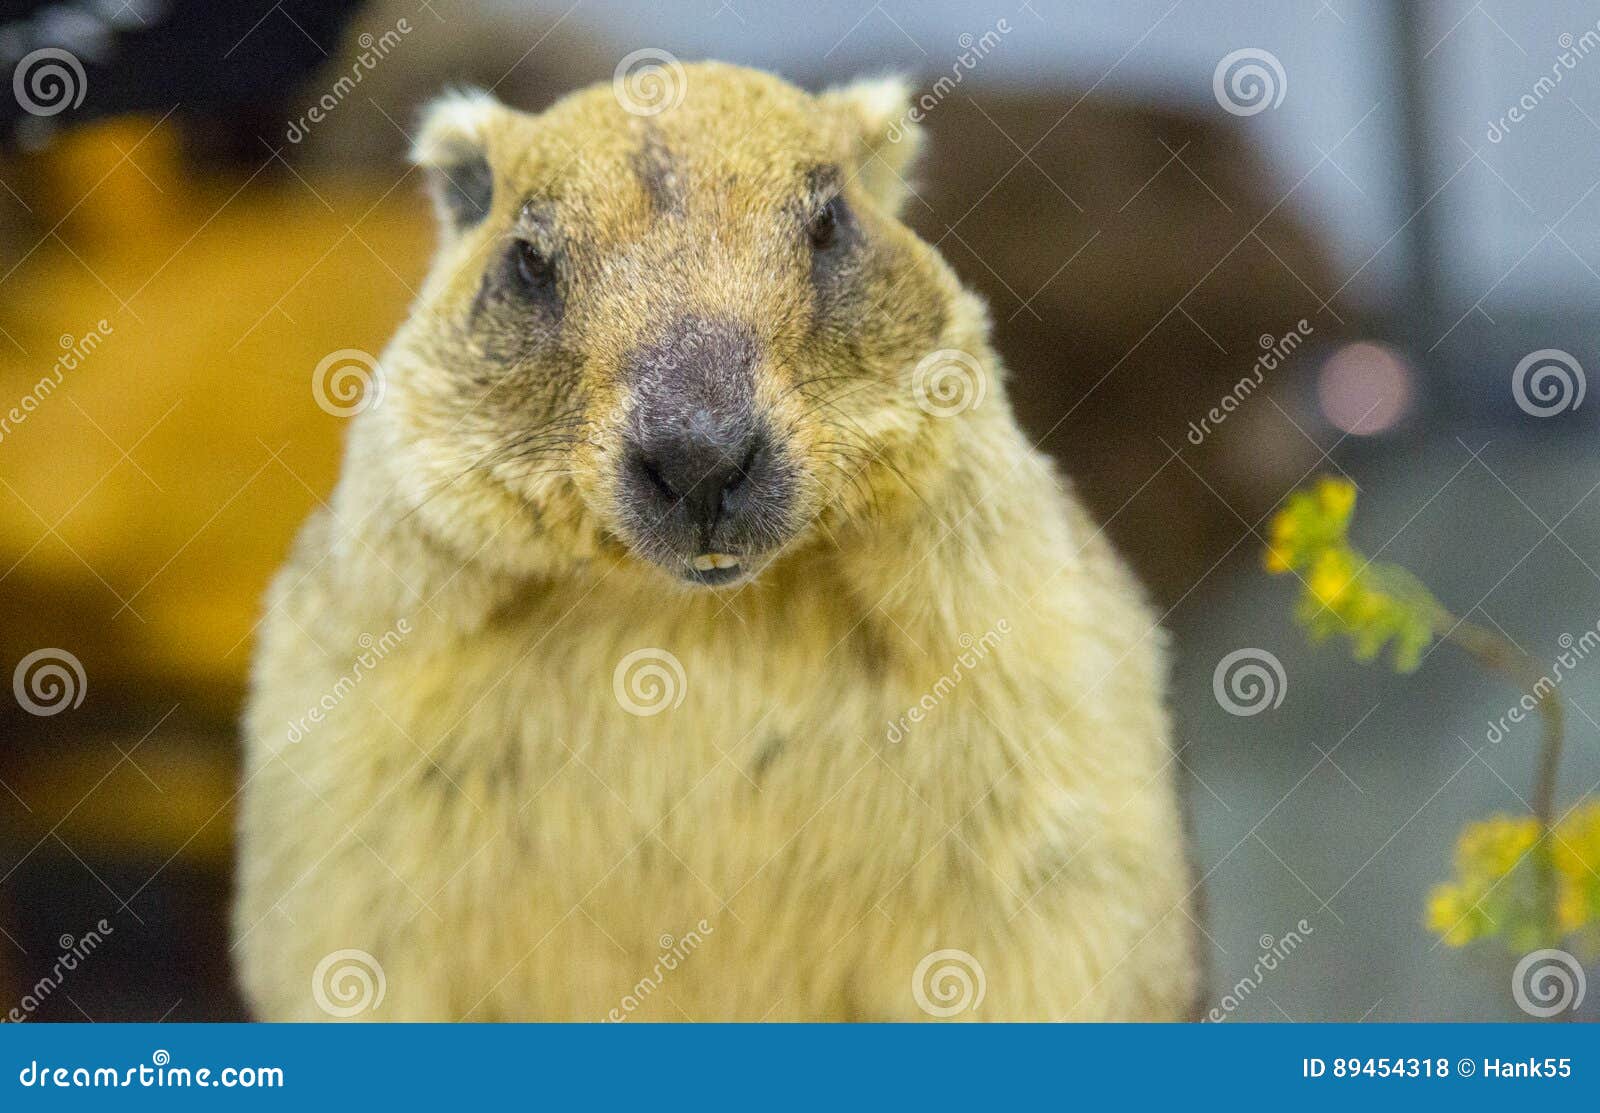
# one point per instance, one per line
(201, 201)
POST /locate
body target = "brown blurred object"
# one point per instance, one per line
(528, 57)
(1130, 285)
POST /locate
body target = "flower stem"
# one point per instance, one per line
(1495, 651)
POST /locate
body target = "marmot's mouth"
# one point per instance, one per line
(714, 569)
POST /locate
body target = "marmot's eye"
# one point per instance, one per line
(536, 270)
(824, 227)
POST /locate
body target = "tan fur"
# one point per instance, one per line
(481, 813)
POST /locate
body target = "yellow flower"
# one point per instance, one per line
(1331, 577)
(1450, 916)
(1493, 848)
(1337, 496)
(1374, 605)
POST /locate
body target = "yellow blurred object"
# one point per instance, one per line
(149, 489)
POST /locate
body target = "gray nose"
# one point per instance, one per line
(700, 471)
(701, 468)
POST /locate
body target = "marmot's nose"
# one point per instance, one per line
(700, 472)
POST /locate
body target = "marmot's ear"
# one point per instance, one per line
(454, 147)
(880, 113)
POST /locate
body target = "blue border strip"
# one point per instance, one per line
(793, 1066)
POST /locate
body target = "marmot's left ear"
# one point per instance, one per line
(879, 112)
(455, 148)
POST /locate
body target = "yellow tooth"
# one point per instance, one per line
(705, 562)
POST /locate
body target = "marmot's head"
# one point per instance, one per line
(675, 321)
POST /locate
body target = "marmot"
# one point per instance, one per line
(692, 633)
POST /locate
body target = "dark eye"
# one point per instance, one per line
(536, 270)
(824, 227)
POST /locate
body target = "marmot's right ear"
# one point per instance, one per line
(454, 148)
(879, 111)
